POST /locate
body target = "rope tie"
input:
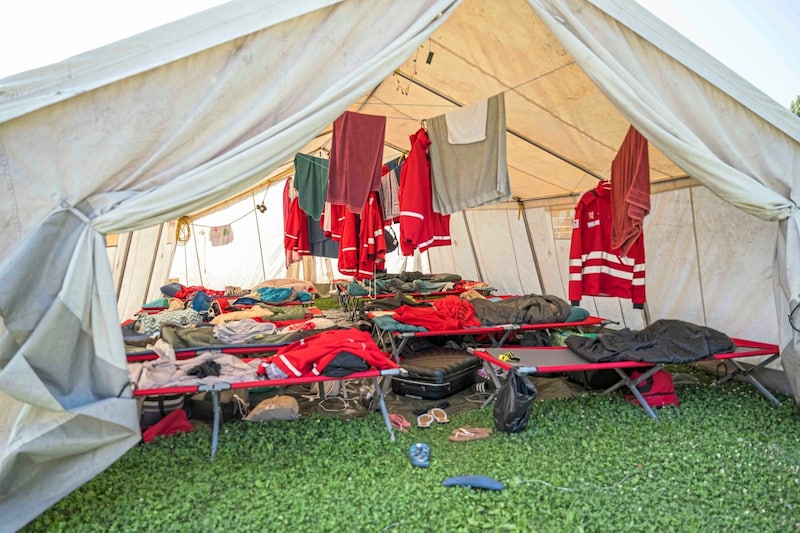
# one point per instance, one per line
(77, 212)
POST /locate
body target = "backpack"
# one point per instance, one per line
(658, 390)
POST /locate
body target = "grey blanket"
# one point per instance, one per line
(528, 309)
(664, 341)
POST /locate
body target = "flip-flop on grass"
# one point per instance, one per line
(469, 433)
(439, 414)
(477, 482)
(399, 422)
(425, 420)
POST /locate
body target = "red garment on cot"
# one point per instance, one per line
(630, 190)
(450, 312)
(356, 158)
(310, 356)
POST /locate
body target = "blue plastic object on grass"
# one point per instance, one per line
(420, 454)
(476, 482)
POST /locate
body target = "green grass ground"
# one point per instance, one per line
(725, 460)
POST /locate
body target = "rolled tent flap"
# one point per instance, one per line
(68, 410)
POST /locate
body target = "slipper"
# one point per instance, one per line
(440, 415)
(399, 423)
(469, 433)
(425, 420)
(476, 482)
(420, 454)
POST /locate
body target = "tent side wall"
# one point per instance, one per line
(140, 262)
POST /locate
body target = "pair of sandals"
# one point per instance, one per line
(437, 414)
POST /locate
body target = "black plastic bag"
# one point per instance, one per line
(391, 240)
(512, 408)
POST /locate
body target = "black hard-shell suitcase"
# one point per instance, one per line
(436, 373)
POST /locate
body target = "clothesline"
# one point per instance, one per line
(455, 104)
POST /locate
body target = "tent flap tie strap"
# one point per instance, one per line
(75, 211)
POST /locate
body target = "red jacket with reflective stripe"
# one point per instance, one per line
(595, 268)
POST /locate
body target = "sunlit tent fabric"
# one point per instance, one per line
(184, 116)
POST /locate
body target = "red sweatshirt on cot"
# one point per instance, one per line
(310, 356)
(450, 312)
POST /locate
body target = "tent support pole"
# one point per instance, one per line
(472, 247)
(124, 265)
(197, 257)
(530, 245)
(697, 257)
(646, 314)
(153, 263)
(258, 232)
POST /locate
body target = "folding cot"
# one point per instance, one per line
(200, 344)
(217, 387)
(188, 353)
(556, 360)
(353, 302)
(396, 341)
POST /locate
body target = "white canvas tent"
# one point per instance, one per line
(173, 121)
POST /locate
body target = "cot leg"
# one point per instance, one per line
(631, 384)
(399, 350)
(489, 367)
(215, 433)
(495, 379)
(506, 334)
(384, 411)
(748, 375)
(215, 402)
